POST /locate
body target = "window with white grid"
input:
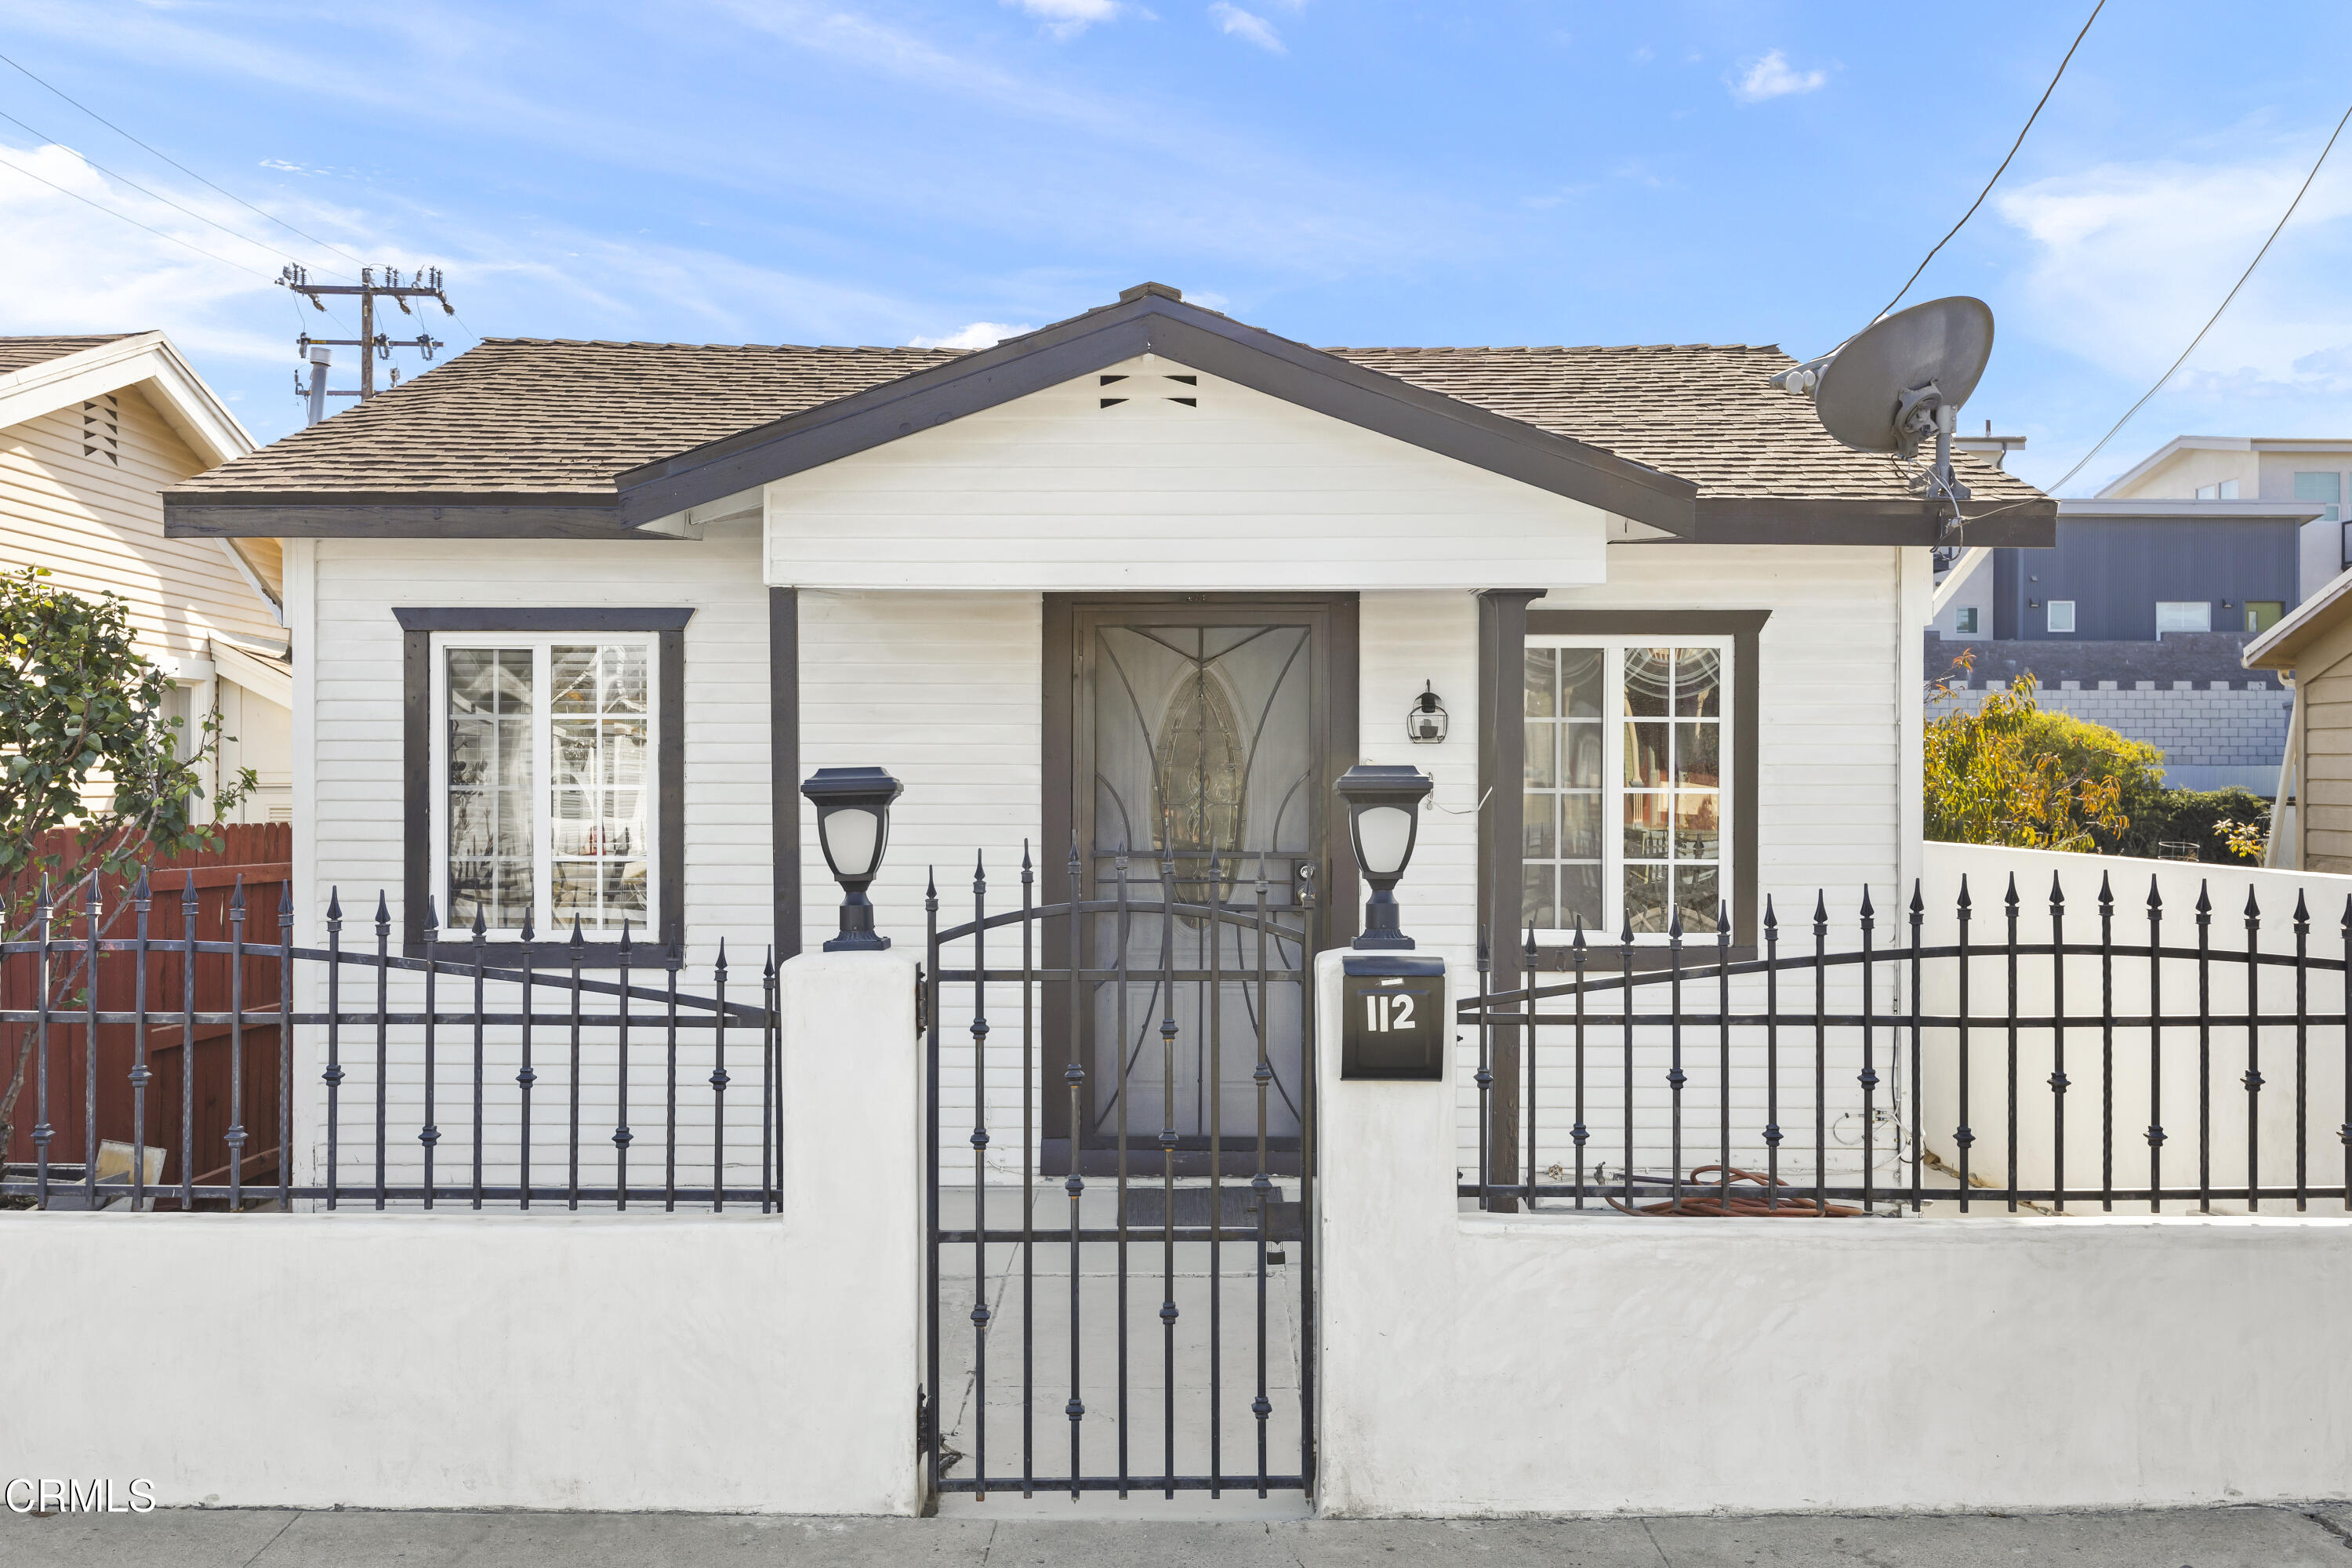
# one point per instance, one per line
(545, 808)
(1627, 784)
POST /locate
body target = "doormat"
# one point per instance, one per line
(1147, 1209)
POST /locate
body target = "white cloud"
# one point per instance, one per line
(1247, 25)
(978, 335)
(2131, 258)
(1773, 76)
(1067, 18)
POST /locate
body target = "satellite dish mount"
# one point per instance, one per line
(1900, 383)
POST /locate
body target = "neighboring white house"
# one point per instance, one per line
(92, 430)
(574, 621)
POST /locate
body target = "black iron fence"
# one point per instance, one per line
(2150, 1059)
(479, 1074)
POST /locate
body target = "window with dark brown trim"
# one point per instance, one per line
(1720, 816)
(544, 777)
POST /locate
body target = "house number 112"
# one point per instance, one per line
(1385, 1012)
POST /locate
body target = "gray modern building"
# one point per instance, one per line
(2135, 617)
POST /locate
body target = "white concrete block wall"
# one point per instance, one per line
(2240, 725)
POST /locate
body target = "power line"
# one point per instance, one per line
(155, 196)
(133, 222)
(232, 195)
(2208, 327)
(2004, 163)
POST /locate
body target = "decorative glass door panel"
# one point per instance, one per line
(1200, 768)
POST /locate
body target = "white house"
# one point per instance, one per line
(1129, 595)
(576, 619)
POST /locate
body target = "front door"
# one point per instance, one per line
(1194, 754)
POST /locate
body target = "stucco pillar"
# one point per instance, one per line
(852, 1181)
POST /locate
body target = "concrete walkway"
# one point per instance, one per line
(2266, 1537)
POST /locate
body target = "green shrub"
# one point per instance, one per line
(2056, 766)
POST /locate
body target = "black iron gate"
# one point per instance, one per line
(1193, 990)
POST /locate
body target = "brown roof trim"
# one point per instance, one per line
(1739, 520)
(1216, 344)
(332, 515)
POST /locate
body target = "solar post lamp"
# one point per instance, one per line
(1383, 819)
(853, 824)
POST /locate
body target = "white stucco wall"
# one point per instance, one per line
(744, 1362)
(2303, 1078)
(1490, 1365)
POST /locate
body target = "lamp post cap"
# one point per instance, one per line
(1394, 778)
(852, 786)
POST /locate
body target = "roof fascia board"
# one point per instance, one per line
(1733, 519)
(1199, 339)
(147, 362)
(2277, 647)
(272, 517)
(2096, 507)
(265, 680)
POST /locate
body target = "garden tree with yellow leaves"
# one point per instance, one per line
(86, 743)
(1993, 777)
(2071, 784)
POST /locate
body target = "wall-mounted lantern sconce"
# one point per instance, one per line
(1425, 721)
(853, 823)
(1383, 818)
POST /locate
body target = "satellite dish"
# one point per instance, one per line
(1901, 379)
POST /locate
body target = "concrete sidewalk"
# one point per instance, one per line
(2262, 1537)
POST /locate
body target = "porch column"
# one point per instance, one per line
(1502, 772)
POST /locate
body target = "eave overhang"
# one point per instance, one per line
(1740, 520)
(267, 514)
(1199, 340)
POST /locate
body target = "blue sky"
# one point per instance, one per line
(1380, 172)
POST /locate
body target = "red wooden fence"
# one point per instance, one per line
(258, 855)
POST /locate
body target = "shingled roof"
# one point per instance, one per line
(541, 435)
(19, 353)
(541, 416)
(1707, 412)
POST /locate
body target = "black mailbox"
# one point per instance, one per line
(1392, 1020)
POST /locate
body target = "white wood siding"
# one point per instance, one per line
(97, 526)
(943, 689)
(1054, 491)
(95, 519)
(1832, 694)
(350, 826)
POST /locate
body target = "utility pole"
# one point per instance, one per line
(425, 284)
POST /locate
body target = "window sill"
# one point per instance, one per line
(644, 956)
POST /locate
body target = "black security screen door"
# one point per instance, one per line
(1199, 736)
